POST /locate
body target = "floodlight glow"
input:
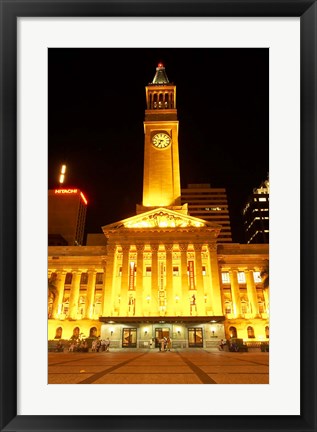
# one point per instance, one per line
(83, 198)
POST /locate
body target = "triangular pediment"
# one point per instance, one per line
(160, 218)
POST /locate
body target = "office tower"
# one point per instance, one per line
(210, 204)
(256, 215)
(66, 217)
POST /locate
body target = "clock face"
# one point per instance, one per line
(161, 140)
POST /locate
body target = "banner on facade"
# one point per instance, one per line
(191, 275)
(131, 276)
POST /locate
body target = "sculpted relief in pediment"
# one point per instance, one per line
(162, 220)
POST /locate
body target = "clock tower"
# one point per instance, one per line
(161, 178)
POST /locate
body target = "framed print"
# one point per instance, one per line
(38, 41)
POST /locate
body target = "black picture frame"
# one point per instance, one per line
(10, 11)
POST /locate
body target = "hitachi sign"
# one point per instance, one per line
(66, 191)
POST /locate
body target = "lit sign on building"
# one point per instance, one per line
(66, 191)
(71, 191)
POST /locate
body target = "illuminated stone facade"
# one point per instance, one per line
(161, 272)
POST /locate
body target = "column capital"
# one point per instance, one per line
(183, 247)
(154, 247)
(125, 248)
(212, 247)
(233, 270)
(140, 248)
(111, 248)
(198, 247)
(168, 247)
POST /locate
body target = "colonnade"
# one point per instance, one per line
(162, 294)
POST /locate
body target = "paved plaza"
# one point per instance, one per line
(137, 366)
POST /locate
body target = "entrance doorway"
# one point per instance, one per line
(195, 337)
(129, 338)
(161, 333)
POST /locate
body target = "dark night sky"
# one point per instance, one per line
(96, 103)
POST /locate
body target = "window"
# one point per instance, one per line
(84, 279)
(76, 333)
(59, 332)
(225, 277)
(244, 307)
(82, 303)
(261, 307)
(227, 307)
(68, 278)
(93, 332)
(250, 331)
(175, 271)
(148, 271)
(203, 270)
(267, 332)
(233, 332)
(257, 277)
(99, 278)
(241, 277)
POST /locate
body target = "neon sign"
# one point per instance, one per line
(66, 191)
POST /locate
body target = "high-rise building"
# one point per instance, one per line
(210, 204)
(66, 217)
(160, 272)
(256, 215)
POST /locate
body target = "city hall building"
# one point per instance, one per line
(161, 272)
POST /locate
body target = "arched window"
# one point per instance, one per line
(93, 332)
(227, 307)
(244, 307)
(250, 331)
(166, 100)
(155, 101)
(233, 332)
(267, 332)
(59, 332)
(76, 332)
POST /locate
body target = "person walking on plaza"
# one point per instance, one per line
(222, 344)
(162, 344)
(169, 344)
(107, 344)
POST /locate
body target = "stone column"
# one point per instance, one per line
(235, 292)
(124, 281)
(74, 295)
(58, 301)
(184, 280)
(90, 293)
(252, 295)
(169, 279)
(154, 279)
(267, 300)
(200, 300)
(139, 280)
(108, 280)
(215, 283)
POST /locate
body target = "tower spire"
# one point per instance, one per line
(160, 75)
